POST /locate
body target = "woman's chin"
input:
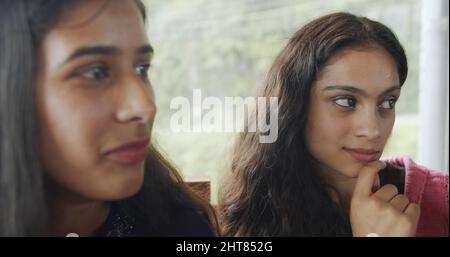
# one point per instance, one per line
(352, 170)
(129, 189)
(121, 193)
(122, 187)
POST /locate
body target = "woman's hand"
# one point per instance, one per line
(384, 212)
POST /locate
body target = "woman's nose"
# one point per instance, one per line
(368, 124)
(136, 102)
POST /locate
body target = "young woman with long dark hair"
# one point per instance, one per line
(76, 113)
(337, 81)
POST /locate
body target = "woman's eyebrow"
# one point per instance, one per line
(146, 49)
(393, 88)
(351, 89)
(104, 50)
(360, 91)
(92, 50)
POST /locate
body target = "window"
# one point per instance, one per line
(224, 48)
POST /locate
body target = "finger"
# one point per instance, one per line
(376, 183)
(413, 211)
(400, 202)
(386, 193)
(366, 178)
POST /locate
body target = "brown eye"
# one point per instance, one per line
(345, 101)
(142, 70)
(98, 72)
(388, 103)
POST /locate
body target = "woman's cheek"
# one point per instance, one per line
(78, 124)
(387, 126)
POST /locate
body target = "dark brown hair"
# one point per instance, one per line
(272, 189)
(23, 211)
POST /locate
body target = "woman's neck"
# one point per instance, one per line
(73, 214)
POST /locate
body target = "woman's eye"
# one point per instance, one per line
(388, 103)
(96, 73)
(348, 102)
(142, 70)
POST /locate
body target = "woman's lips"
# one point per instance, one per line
(364, 155)
(135, 151)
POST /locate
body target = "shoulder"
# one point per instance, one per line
(190, 223)
(182, 222)
(421, 181)
(429, 189)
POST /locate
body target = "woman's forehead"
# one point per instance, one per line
(117, 24)
(86, 10)
(101, 20)
(361, 64)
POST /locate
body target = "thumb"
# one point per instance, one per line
(368, 178)
(376, 183)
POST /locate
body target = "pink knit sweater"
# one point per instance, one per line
(429, 189)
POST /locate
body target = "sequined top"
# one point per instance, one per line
(187, 223)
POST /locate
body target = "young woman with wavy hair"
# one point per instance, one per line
(337, 81)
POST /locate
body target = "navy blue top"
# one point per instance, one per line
(188, 223)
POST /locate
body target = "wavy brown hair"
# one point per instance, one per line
(272, 189)
(23, 211)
